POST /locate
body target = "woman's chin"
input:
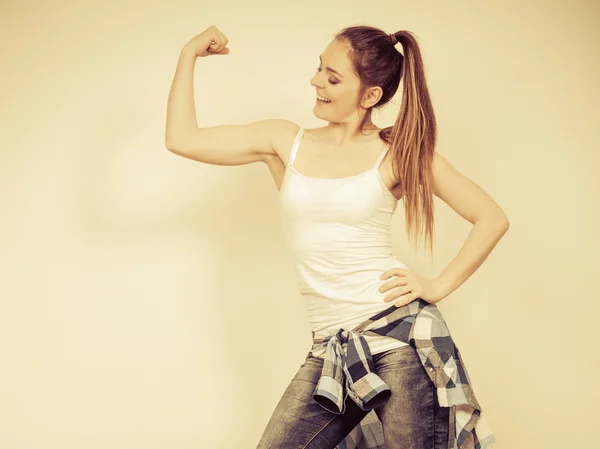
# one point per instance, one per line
(319, 113)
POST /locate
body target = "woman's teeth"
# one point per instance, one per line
(324, 100)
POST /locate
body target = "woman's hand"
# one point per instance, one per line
(409, 286)
(210, 42)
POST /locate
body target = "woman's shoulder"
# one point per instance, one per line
(282, 134)
(285, 132)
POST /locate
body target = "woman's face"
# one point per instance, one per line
(336, 81)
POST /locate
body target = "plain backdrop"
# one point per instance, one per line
(147, 301)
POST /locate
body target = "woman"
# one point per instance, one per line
(383, 370)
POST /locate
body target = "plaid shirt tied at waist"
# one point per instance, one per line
(352, 373)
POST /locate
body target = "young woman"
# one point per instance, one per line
(383, 370)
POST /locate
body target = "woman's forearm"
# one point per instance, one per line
(482, 239)
(181, 109)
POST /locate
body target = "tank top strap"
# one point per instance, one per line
(381, 156)
(296, 145)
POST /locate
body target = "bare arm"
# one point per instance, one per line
(472, 203)
(181, 111)
(218, 145)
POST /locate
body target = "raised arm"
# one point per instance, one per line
(218, 145)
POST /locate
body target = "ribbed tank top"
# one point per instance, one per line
(338, 233)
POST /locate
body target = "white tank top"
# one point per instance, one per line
(338, 233)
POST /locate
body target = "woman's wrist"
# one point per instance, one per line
(188, 52)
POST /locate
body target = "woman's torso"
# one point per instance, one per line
(336, 210)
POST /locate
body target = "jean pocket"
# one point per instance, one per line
(304, 382)
(310, 370)
(404, 356)
(403, 368)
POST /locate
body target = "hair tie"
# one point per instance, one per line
(394, 39)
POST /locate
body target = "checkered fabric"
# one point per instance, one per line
(352, 372)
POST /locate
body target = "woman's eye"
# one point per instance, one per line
(331, 81)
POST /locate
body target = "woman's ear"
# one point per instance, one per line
(372, 97)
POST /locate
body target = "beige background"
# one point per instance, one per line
(147, 301)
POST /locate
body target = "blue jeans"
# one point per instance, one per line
(411, 418)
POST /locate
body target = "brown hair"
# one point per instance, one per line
(412, 139)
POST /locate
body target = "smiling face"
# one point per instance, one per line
(336, 81)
